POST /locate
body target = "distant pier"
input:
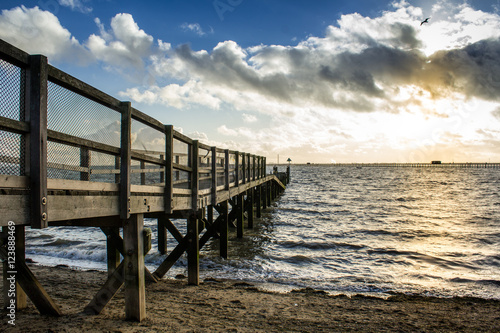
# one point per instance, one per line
(71, 155)
(422, 165)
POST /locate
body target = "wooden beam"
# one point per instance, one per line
(195, 175)
(125, 158)
(173, 230)
(226, 169)
(249, 207)
(135, 287)
(37, 117)
(214, 176)
(85, 161)
(162, 234)
(258, 201)
(107, 291)
(240, 217)
(37, 294)
(171, 258)
(193, 250)
(113, 247)
(169, 170)
(224, 229)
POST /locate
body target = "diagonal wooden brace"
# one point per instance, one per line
(33, 288)
(117, 242)
(106, 293)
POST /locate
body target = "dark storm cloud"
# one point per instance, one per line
(473, 71)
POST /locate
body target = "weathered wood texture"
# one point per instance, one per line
(135, 283)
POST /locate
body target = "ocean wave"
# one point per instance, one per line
(425, 258)
(319, 245)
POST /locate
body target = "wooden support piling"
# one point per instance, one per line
(224, 229)
(112, 248)
(193, 250)
(162, 234)
(258, 201)
(240, 217)
(135, 284)
(250, 208)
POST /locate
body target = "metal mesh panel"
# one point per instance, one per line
(204, 159)
(63, 162)
(135, 178)
(12, 81)
(11, 154)
(147, 140)
(182, 179)
(103, 168)
(79, 116)
(181, 153)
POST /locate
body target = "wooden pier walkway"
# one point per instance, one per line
(71, 155)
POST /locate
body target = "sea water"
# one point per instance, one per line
(373, 230)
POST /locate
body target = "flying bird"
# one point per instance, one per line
(425, 21)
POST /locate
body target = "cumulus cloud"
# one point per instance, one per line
(36, 31)
(360, 65)
(125, 45)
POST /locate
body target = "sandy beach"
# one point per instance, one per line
(235, 306)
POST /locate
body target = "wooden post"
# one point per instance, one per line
(37, 118)
(133, 246)
(192, 222)
(243, 168)
(210, 214)
(193, 250)
(226, 169)
(195, 176)
(237, 169)
(169, 170)
(113, 255)
(240, 207)
(85, 162)
(263, 167)
(125, 159)
(269, 193)
(224, 229)
(258, 200)
(253, 167)
(162, 234)
(250, 203)
(264, 195)
(214, 177)
(162, 173)
(249, 169)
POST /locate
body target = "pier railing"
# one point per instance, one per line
(59, 134)
(72, 155)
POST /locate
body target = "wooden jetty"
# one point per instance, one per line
(71, 155)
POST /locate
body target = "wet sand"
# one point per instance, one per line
(232, 306)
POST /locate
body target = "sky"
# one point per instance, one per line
(314, 81)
